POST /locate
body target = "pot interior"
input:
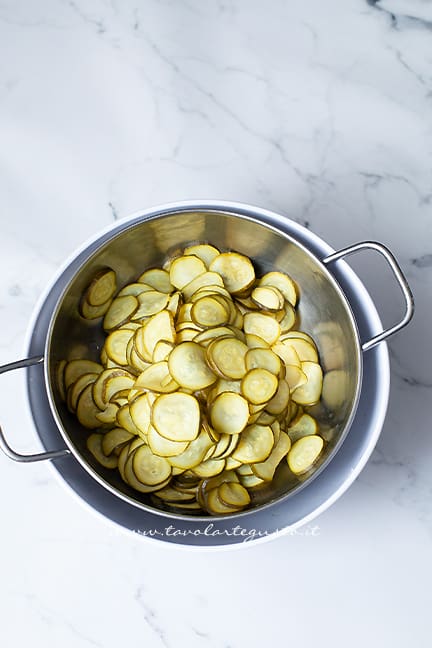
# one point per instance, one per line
(323, 312)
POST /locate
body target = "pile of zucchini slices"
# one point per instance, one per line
(202, 384)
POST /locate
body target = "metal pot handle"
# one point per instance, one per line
(399, 276)
(55, 454)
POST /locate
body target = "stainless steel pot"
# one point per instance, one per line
(145, 241)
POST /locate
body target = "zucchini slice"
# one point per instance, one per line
(259, 386)
(116, 346)
(205, 279)
(115, 438)
(163, 447)
(149, 303)
(102, 288)
(158, 279)
(309, 393)
(266, 469)
(185, 269)
(194, 453)
(263, 359)
(255, 445)
(304, 453)
(207, 253)
(268, 297)
(150, 469)
(229, 413)
(305, 425)
(208, 311)
(188, 367)
(94, 445)
(264, 326)
(120, 311)
(227, 357)
(283, 283)
(156, 377)
(236, 270)
(86, 410)
(74, 369)
(176, 416)
(233, 494)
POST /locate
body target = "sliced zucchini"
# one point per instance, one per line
(255, 445)
(120, 311)
(287, 353)
(171, 494)
(116, 345)
(94, 445)
(227, 357)
(125, 421)
(289, 318)
(233, 494)
(283, 283)
(194, 453)
(159, 327)
(207, 253)
(268, 297)
(140, 413)
(184, 269)
(304, 349)
(205, 279)
(162, 350)
(75, 390)
(134, 482)
(304, 453)
(310, 392)
(87, 410)
(295, 377)
(229, 413)
(134, 289)
(205, 338)
(93, 312)
(157, 279)
(236, 270)
(255, 342)
(304, 425)
(280, 400)
(108, 415)
(156, 378)
(176, 416)
(150, 469)
(208, 312)
(174, 303)
(209, 468)
(60, 379)
(259, 386)
(215, 506)
(263, 359)
(266, 469)
(115, 438)
(149, 303)
(74, 369)
(188, 367)
(102, 288)
(263, 326)
(251, 481)
(164, 447)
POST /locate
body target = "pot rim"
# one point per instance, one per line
(243, 212)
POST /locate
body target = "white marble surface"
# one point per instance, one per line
(319, 110)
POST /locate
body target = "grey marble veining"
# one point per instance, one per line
(321, 111)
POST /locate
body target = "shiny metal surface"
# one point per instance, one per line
(323, 311)
(4, 446)
(399, 276)
(260, 524)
